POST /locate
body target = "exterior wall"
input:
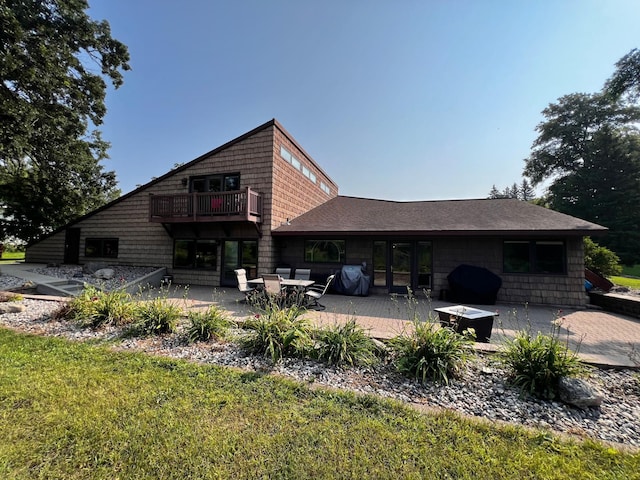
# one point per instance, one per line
(516, 288)
(448, 253)
(292, 194)
(49, 251)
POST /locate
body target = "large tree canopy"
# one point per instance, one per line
(626, 78)
(53, 63)
(589, 148)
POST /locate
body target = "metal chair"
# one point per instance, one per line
(302, 274)
(272, 285)
(243, 286)
(316, 292)
(284, 272)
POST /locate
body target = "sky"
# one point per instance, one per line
(397, 100)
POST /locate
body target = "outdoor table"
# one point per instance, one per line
(461, 317)
(286, 282)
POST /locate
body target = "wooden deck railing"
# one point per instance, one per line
(206, 207)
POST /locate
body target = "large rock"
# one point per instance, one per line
(104, 273)
(579, 393)
(92, 267)
(11, 308)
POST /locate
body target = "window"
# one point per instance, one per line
(380, 263)
(325, 188)
(215, 183)
(101, 247)
(195, 254)
(535, 256)
(324, 251)
(291, 159)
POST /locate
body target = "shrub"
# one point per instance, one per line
(207, 325)
(277, 333)
(600, 259)
(345, 344)
(156, 316)
(431, 352)
(535, 364)
(94, 307)
(10, 297)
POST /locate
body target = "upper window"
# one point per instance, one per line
(297, 164)
(101, 247)
(215, 183)
(324, 251)
(534, 256)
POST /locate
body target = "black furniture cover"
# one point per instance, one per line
(352, 280)
(476, 285)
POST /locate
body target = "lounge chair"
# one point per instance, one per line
(316, 292)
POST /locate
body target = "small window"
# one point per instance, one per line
(324, 251)
(535, 256)
(286, 154)
(101, 247)
(296, 163)
(325, 188)
(197, 254)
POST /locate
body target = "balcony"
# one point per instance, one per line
(241, 205)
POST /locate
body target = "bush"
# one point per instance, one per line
(431, 352)
(345, 344)
(94, 307)
(600, 259)
(156, 316)
(277, 333)
(536, 364)
(207, 325)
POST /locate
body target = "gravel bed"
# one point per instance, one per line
(482, 390)
(122, 274)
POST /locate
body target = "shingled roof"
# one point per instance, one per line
(363, 216)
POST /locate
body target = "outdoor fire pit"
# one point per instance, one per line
(461, 318)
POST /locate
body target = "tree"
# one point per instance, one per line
(600, 259)
(527, 192)
(51, 100)
(626, 78)
(590, 148)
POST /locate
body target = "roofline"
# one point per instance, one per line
(441, 233)
(171, 172)
(299, 147)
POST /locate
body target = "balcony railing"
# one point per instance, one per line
(240, 205)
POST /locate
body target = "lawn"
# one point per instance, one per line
(73, 411)
(12, 255)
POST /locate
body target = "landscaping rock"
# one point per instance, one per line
(92, 267)
(11, 308)
(579, 393)
(105, 273)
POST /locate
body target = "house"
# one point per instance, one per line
(260, 201)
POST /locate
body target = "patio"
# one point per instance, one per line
(605, 339)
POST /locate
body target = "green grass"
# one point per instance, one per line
(626, 281)
(77, 411)
(631, 271)
(12, 255)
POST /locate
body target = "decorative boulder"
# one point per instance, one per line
(104, 273)
(579, 393)
(92, 267)
(11, 308)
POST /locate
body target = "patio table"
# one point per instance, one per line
(285, 282)
(461, 317)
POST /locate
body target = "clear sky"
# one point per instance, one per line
(399, 100)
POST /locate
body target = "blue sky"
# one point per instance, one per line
(399, 100)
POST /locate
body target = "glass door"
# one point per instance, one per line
(401, 263)
(238, 254)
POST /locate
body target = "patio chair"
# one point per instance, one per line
(272, 285)
(302, 274)
(284, 272)
(243, 286)
(315, 292)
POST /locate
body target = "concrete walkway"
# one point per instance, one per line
(603, 338)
